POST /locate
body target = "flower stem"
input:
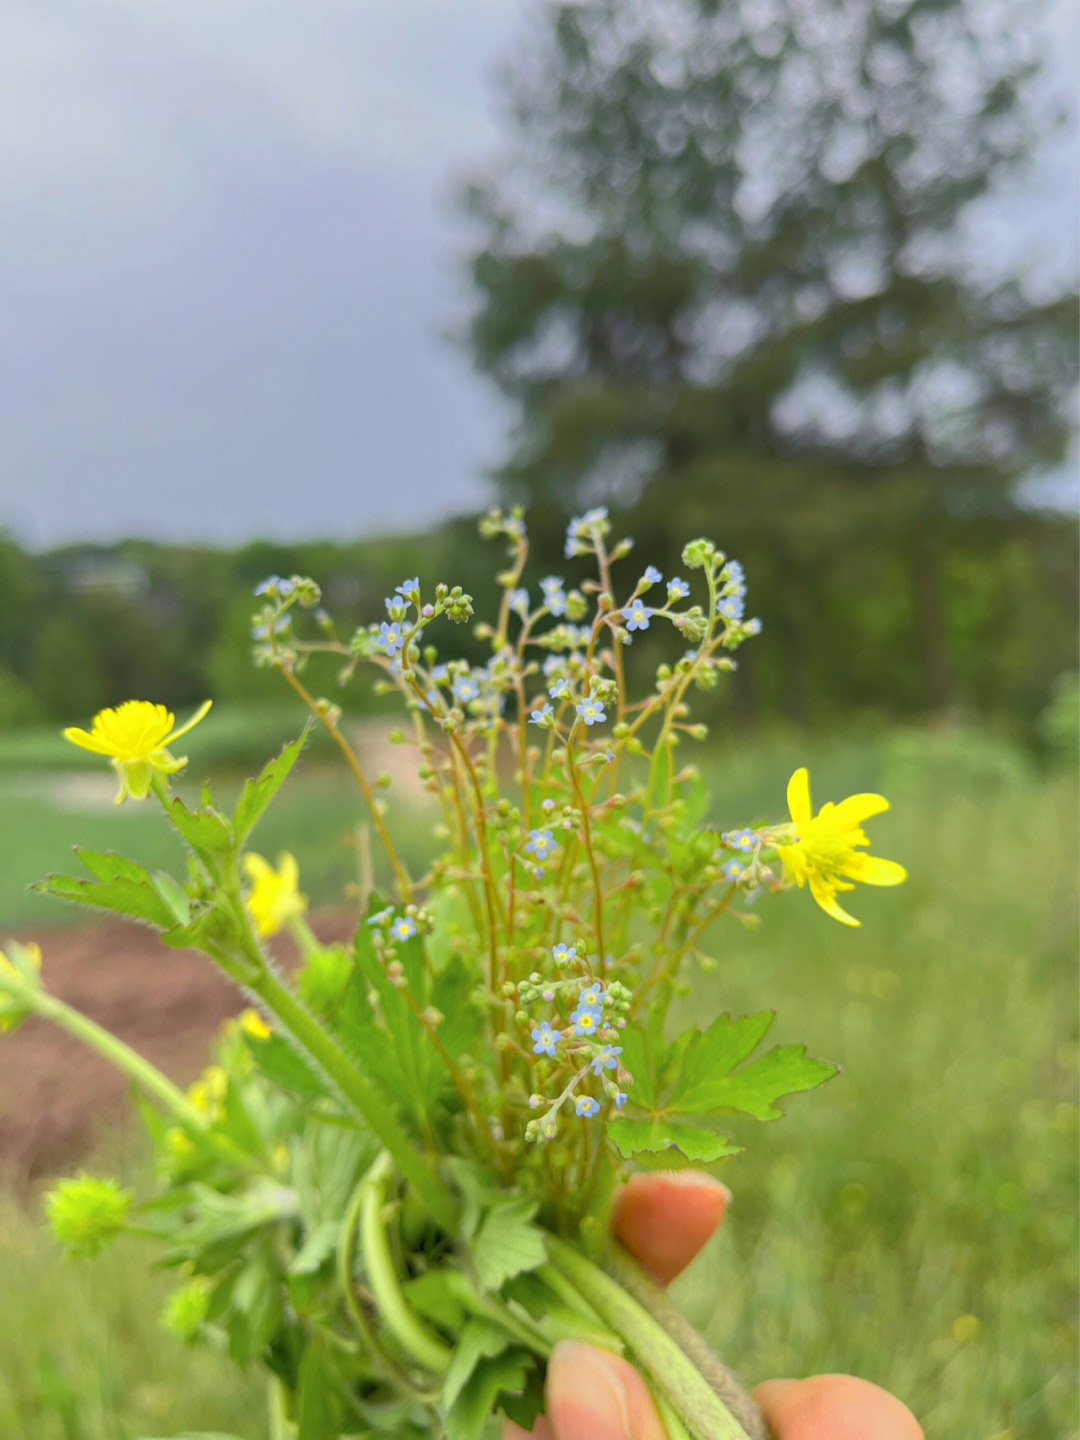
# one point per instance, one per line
(359, 1092)
(147, 1076)
(676, 1361)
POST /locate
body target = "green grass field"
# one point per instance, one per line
(914, 1221)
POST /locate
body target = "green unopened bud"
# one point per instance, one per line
(85, 1213)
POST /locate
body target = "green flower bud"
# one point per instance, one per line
(85, 1213)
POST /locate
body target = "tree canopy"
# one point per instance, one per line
(725, 251)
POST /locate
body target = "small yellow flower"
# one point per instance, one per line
(18, 976)
(826, 851)
(134, 736)
(252, 1023)
(274, 898)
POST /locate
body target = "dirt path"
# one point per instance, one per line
(54, 1092)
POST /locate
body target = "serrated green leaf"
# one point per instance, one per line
(315, 1407)
(316, 1249)
(138, 898)
(258, 793)
(711, 1055)
(755, 1088)
(434, 1296)
(205, 830)
(507, 1242)
(174, 896)
(110, 865)
(478, 1340)
(506, 1372)
(637, 1139)
(280, 1063)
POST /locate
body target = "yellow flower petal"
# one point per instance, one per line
(857, 808)
(871, 870)
(826, 897)
(798, 797)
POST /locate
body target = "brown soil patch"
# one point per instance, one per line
(55, 1093)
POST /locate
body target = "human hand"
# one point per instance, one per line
(663, 1220)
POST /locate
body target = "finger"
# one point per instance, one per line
(834, 1407)
(665, 1218)
(593, 1395)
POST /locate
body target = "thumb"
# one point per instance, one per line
(593, 1395)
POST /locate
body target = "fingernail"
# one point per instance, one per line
(585, 1393)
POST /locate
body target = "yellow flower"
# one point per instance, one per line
(134, 736)
(826, 850)
(274, 898)
(19, 975)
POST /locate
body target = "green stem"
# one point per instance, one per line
(147, 1076)
(361, 1094)
(676, 1362)
(419, 1341)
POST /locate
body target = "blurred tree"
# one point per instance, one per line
(728, 276)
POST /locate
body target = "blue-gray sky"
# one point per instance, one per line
(230, 260)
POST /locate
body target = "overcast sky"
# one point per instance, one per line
(229, 259)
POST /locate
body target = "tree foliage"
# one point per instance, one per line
(729, 234)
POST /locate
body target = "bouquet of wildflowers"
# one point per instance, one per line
(392, 1188)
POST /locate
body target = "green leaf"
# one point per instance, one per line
(507, 1242)
(205, 830)
(317, 1417)
(122, 886)
(634, 1139)
(711, 1055)
(506, 1372)
(194, 1435)
(479, 1340)
(258, 793)
(280, 1063)
(755, 1088)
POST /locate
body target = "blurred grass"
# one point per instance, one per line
(63, 796)
(914, 1221)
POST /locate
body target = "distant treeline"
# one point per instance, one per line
(987, 633)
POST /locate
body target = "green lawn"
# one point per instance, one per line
(914, 1221)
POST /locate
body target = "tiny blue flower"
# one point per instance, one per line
(518, 601)
(562, 953)
(274, 585)
(652, 575)
(585, 1105)
(380, 917)
(606, 1058)
(390, 638)
(409, 587)
(637, 615)
(541, 843)
(731, 607)
(559, 689)
(620, 1099)
(743, 840)
(554, 594)
(541, 714)
(586, 1019)
(677, 589)
(403, 928)
(733, 572)
(591, 711)
(464, 689)
(732, 870)
(440, 672)
(592, 995)
(545, 1038)
(396, 607)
